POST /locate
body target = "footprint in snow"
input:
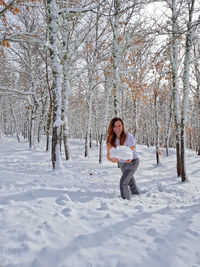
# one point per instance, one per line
(67, 212)
(63, 199)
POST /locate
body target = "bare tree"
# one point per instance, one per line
(185, 78)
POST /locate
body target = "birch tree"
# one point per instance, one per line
(105, 111)
(54, 13)
(116, 54)
(53, 24)
(185, 79)
(196, 88)
(174, 66)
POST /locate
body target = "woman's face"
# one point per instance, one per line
(118, 128)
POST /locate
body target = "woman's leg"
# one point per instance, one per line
(124, 181)
(127, 179)
(133, 187)
(132, 184)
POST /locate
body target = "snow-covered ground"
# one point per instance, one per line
(75, 217)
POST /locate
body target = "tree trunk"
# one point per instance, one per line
(57, 82)
(185, 78)
(48, 125)
(115, 56)
(41, 119)
(197, 76)
(156, 127)
(89, 116)
(174, 65)
(32, 126)
(135, 117)
(101, 148)
(65, 107)
(168, 128)
(15, 121)
(105, 117)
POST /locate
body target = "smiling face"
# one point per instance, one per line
(118, 128)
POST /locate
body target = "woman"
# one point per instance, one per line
(117, 136)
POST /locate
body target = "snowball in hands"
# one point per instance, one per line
(121, 152)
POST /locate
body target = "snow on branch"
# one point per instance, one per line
(6, 6)
(78, 10)
(4, 89)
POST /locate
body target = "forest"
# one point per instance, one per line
(69, 66)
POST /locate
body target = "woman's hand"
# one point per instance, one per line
(114, 160)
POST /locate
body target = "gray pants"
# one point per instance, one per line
(127, 180)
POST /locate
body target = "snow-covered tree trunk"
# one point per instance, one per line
(157, 127)
(32, 103)
(185, 78)
(135, 119)
(15, 120)
(32, 125)
(41, 119)
(89, 115)
(174, 66)
(197, 90)
(147, 119)
(65, 117)
(50, 108)
(91, 72)
(48, 124)
(53, 24)
(115, 55)
(65, 58)
(26, 125)
(198, 95)
(105, 117)
(198, 99)
(168, 127)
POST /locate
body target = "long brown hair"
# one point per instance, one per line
(111, 135)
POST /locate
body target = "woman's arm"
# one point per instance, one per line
(114, 160)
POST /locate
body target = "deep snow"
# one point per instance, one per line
(75, 216)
